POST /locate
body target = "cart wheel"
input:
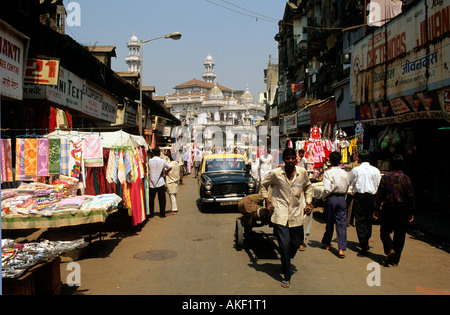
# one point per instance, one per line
(239, 235)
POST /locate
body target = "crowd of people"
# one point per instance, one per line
(388, 198)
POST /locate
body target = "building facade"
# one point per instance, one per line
(213, 114)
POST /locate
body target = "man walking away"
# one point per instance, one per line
(335, 182)
(396, 203)
(365, 180)
(157, 167)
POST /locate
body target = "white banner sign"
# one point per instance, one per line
(67, 92)
(12, 55)
(97, 103)
(395, 61)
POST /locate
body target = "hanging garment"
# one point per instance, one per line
(20, 159)
(121, 168)
(64, 156)
(54, 149)
(318, 154)
(110, 166)
(315, 133)
(42, 157)
(7, 173)
(92, 151)
(30, 157)
(75, 159)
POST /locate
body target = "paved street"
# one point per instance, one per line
(193, 253)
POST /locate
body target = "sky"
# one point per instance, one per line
(239, 35)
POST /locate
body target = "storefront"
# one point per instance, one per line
(400, 81)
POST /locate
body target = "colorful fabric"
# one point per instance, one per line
(121, 168)
(110, 167)
(42, 157)
(64, 156)
(54, 150)
(7, 174)
(30, 156)
(75, 160)
(93, 151)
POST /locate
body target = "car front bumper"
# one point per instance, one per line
(234, 200)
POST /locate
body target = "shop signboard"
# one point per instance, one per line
(67, 92)
(13, 51)
(323, 113)
(98, 103)
(405, 56)
(304, 118)
(444, 100)
(423, 105)
(290, 123)
(41, 71)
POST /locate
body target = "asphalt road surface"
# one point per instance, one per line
(193, 253)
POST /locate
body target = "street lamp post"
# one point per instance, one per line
(174, 36)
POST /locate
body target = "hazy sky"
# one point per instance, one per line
(240, 38)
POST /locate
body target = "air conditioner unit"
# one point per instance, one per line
(346, 58)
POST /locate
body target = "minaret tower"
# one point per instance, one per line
(133, 60)
(209, 75)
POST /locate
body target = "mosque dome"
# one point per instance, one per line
(215, 92)
(247, 97)
(209, 59)
(133, 40)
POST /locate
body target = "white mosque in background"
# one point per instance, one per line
(206, 107)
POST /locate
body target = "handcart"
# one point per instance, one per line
(254, 214)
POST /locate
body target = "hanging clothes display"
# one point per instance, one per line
(42, 157)
(97, 170)
(6, 156)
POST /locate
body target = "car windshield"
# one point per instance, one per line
(225, 164)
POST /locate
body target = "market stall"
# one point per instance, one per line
(65, 172)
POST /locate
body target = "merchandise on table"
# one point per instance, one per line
(45, 200)
(18, 258)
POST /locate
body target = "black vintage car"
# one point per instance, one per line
(224, 179)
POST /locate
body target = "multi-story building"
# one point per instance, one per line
(342, 67)
(209, 109)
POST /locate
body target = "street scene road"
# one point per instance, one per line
(193, 253)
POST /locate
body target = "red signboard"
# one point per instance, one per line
(42, 71)
(324, 113)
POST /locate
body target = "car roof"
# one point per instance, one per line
(224, 155)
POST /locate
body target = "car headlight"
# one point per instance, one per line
(251, 182)
(208, 185)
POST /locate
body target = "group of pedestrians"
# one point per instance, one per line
(389, 198)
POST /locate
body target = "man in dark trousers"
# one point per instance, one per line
(157, 167)
(335, 183)
(291, 199)
(396, 203)
(365, 179)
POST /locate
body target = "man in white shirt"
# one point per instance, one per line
(336, 183)
(291, 198)
(156, 167)
(197, 161)
(365, 180)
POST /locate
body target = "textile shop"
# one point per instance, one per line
(88, 164)
(66, 180)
